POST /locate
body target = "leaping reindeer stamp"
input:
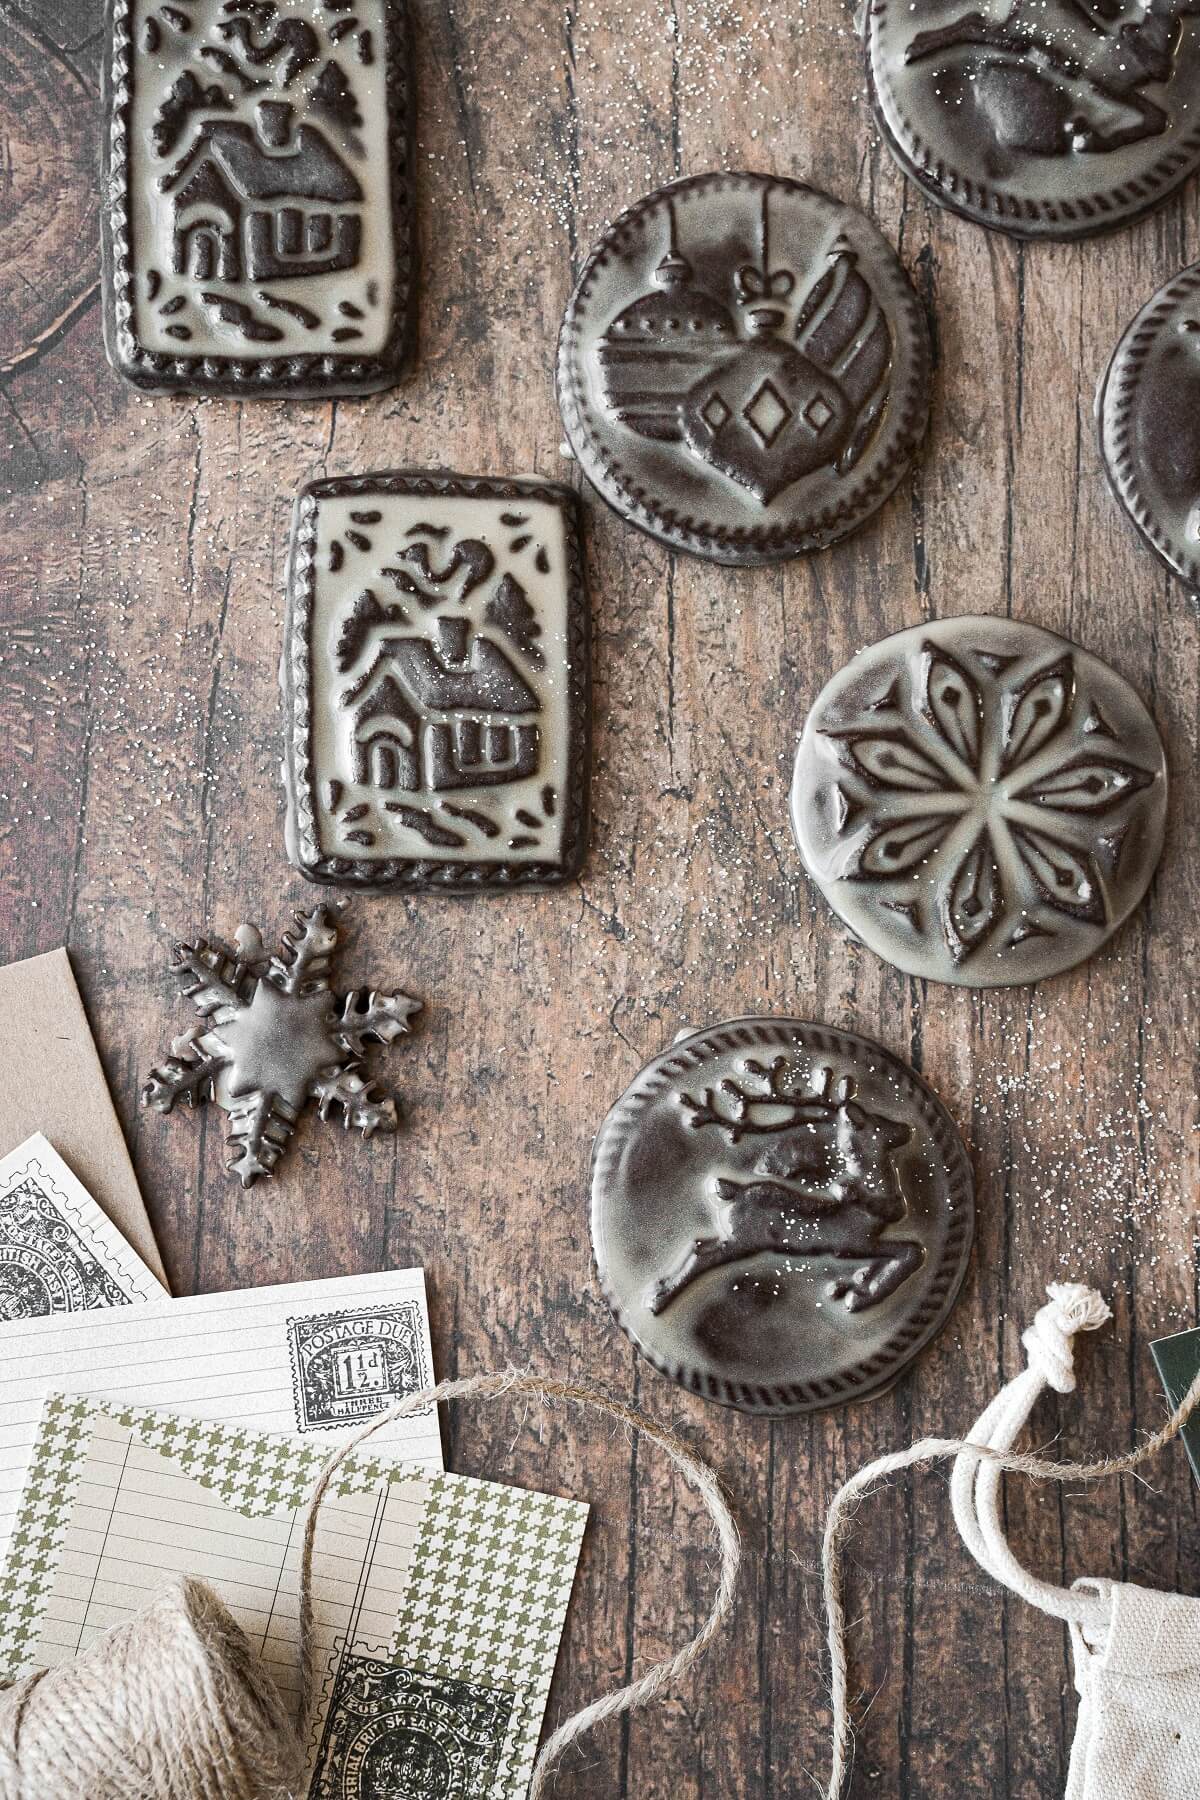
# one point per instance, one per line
(781, 1214)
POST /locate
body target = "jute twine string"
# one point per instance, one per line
(1078, 1305)
(175, 1705)
(657, 1680)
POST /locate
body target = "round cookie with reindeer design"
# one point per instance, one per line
(743, 369)
(980, 800)
(782, 1214)
(1040, 118)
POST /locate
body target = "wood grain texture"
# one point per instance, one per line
(139, 751)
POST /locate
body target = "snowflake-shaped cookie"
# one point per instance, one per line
(272, 1036)
(981, 801)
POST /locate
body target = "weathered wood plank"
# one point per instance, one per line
(142, 567)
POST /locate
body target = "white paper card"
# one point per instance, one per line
(314, 1357)
(439, 1601)
(58, 1252)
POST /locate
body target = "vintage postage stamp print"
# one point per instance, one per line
(392, 1730)
(348, 1366)
(58, 1252)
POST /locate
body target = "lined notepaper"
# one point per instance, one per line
(220, 1357)
(438, 1600)
(136, 1519)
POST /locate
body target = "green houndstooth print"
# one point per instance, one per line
(490, 1582)
(482, 1606)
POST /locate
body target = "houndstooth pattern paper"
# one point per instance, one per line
(255, 1473)
(36, 1542)
(488, 1587)
(491, 1579)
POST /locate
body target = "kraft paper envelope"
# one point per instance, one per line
(315, 1358)
(51, 1081)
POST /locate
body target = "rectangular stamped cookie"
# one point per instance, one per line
(435, 678)
(257, 217)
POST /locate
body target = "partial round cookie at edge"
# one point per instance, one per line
(1040, 119)
(1148, 414)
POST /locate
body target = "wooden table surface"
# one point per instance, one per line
(143, 544)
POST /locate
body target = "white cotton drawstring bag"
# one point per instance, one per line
(1137, 1651)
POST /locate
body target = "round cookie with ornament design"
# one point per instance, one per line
(1148, 413)
(744, 368)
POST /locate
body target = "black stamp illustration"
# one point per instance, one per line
(348, 1366)
(393, 1732)
(257, 232)
(436, 679)
(45, 1265)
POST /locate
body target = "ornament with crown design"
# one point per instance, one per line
(794, 400)
(786, 391)
(743, 367)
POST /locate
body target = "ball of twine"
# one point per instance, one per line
(172, 1705)
(175, 1704)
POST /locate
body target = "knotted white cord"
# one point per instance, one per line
(1073, 1308)
(975, 1483)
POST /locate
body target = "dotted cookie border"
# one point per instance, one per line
(875, 1373)
(429, 874)
(996, 207)
(811, 529)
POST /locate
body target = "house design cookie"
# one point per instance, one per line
(257, 232)
(436, 683)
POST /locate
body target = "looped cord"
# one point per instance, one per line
(985, 1455)
(657, 1680)
(1048, 1342)
(975, 1483)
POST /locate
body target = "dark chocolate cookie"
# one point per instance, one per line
(981, 801)
(435, 678)
(257, 226)
(1148, 410)
(781, 1214)
(743, 369)
(1041, 118)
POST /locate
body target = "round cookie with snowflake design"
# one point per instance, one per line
(981, 801)
(743, 369)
